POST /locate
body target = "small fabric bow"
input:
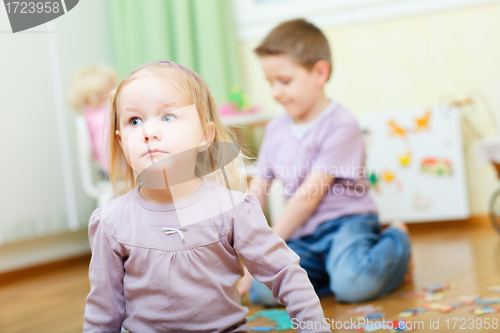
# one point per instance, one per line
(170, 231)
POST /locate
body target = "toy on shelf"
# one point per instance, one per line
(238, 104)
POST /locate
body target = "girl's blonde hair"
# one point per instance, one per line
(90, 85)
(195, 91)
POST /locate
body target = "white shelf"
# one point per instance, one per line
(246, 119)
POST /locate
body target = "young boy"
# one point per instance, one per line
(316, 149)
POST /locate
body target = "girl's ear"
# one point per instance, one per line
(207, 136)
(119, 137)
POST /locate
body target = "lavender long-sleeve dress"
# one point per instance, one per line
(174, 268)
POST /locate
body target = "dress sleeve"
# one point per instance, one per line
(105, 304)
(342, 152)
(273, 263)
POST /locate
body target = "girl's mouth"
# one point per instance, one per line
(153, 152)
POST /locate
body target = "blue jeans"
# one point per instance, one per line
(349, 257)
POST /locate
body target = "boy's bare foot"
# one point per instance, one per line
(401, 226)
(409, 273)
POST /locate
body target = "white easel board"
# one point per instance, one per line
(416, 164)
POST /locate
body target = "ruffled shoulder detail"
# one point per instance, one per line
(95, 218)
(248, 217)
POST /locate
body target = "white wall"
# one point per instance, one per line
(40, 193)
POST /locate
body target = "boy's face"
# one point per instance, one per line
(292, 85)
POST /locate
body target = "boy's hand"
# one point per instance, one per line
(245, 283)
(302, 204)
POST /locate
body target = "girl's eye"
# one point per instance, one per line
(135, 121)
(168, 118)
(285, 82)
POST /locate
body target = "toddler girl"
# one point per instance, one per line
(166, 254)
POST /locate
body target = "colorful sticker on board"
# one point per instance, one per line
(436, 167)
(388, 176)
(374, 180)
(422, 123)
(396, 129)
(367, 137)
(404, 159)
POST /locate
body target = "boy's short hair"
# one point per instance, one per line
(300, 40)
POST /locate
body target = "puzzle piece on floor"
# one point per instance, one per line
(431, 297)
(466, 300)
(373, 315)
(488, 300)
(493, 289)
(429, 292)
(280, 318)
(262, 328)
(438, 307)
(414, 294)
(455, 304)
(481, 310)
(365, 327)
(364, 309)
(440, 286)
(412, 312)
(401, 323)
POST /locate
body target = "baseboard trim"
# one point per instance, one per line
(431, 224)
(37, 271)
(43, 250)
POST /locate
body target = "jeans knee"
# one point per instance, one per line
(355, 289)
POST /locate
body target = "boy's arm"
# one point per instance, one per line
(302, 204)
(340, 156)
(258, 187)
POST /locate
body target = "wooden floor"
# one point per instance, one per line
(465, 253)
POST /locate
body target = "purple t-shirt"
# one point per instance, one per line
(174, 268)
(332, 143)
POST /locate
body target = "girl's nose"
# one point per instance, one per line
(154, 137)
(151, 132)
